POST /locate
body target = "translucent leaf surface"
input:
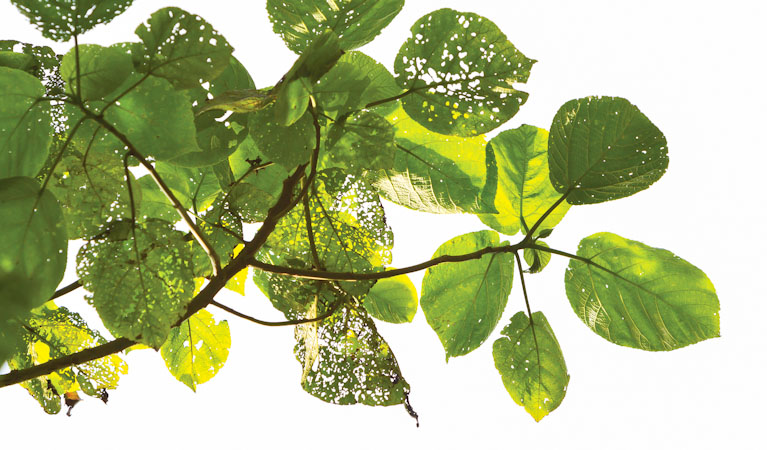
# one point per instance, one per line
(33, 250)
(531, 364)
(197, 349)
(288, 146)
(524, 191)
(61, 19)
(354, 363)
(461, 72)
(463, 301)
(224, 232)
(362, 141)
(183, 48)
(25, 135)
(537, 259)
(392, 300)
(437, 173)
(140, 283)
(102, 70)
(640, 296)
(195, 188)
(604, 148)
(356, 22)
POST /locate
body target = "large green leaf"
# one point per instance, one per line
(524, 190)
(460, 70)
(156, 119)
(25, 133)
(33, 250)
(288, 146)
(182, 47)
(45, 64)
(604, 148)
(463, 301)
(197, 349)
(437, 173)
(639, 296)
(354, 364)
(141, 279)
(531, 364)
(61, 19)
(392, 300)
(360, 142)
(195, 188)
(356, 22)
(102, 70)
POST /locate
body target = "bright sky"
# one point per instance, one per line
(694, 68)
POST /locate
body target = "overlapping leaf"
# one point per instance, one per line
(463, 301)
(392, 300)
(524, 190)
(101, 70)
(461, 72)
(531, 364)
(288, 146)
(141, 279)
(604, 148)
(361, 142)
(639, 296)
(356, 22)
(197, 349)
(61, 19)
(537, 259)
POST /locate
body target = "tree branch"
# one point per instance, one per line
(66, 290)
(319, 318)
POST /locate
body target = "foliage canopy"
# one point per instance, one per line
(305, 163)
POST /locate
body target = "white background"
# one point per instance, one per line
(695, 68)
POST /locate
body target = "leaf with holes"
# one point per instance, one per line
(141, 283)
(604, 148)
(531, 364)
(461, 72)
(356, 22)
(639, 296)
(362, 141)
(61, 19)
(463, 301)
(197, 349)
(288, 146)
(524, 190)
(24, 123)
(183, 48)
(102, 70)
(33, 250)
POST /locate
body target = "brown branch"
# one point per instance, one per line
(66, 290)
(319, 318)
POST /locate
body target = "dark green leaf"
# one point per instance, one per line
(524, 190)
(197, 349)
(33, 250)
(531, 364)
(356, 22)
(363, 141)
(102, 70)
(140, 284)
(61, 19)
(287, 146)
(45, 64)
(392, 300)
(537, 259)
(604, 148)
(438, 173)
(183, 48)
(25, 133)
(195, 188)
(460, 70)
(21, 61)
(463, 302)
(640, 296)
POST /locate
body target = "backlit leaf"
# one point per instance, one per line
(392, 300)
(102, 70)
(61, 19)
(537, 259)
(640, 296)
(362, 141)
(463, 301)
(288, 146)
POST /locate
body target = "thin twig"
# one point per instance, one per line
(323, 316)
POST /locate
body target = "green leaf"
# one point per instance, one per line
(44, 66)
(356, 22)
(156, 119)
(438, 173)
(197, 349)
(142, 283)
(21, 61)
(639, 296)
(524, 190)
(463, 301)
(354, 364)
(61, 19)
(33, 250)
(460, 70)
(195, 188)
(537, 259)
(224, 232)
(392, 300)
(352, 83)
(154, 204)
(183, 48)
(288, 146)
(25, 133)
(531, 364)
(363, 141)
(102, 70)
(604, 148)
